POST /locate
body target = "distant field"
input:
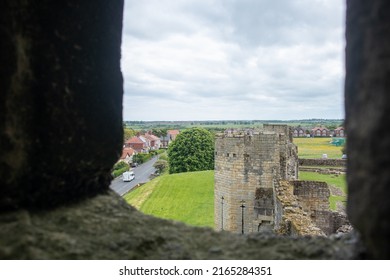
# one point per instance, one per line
(337, 181)
(186, 197)
(316, 147)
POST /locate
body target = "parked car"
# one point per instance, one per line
(128, 176)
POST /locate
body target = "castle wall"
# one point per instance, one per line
(290, 218)
(247, 164)
(313, 197)
(322, 162)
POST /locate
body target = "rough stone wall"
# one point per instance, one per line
(61, 90)
(246, 166)
(313, 197)
(367, 107)
(288, 151)
(338, 221)
(243, 165)
(106, 227)
(290, 218)
(322, 162)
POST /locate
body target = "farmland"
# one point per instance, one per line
(316, 147)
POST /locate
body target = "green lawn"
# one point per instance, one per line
(337, 181)
(189, 197)
(186, 197)
(316, 147)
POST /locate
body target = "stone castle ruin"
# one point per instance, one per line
(256, 186)
(61, 99)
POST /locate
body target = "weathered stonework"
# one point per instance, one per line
(322, 162)
(313, 197)
(290, 218)
(252, 188)
(247, 165)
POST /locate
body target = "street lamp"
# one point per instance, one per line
(242, 215)
(222, 198)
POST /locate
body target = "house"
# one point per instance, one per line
(164, 140)
(153, 141)
(320, 132)
(299, 132)
(172, 134)
(127, 155)
(137, 144)
(339, 132)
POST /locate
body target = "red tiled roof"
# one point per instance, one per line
(152, 137)
(127, 151)
(134, 140)
(320, 128)
(339, 128)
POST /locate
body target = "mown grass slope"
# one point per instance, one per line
(186, 197)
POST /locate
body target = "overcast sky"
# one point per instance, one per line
(233, 59)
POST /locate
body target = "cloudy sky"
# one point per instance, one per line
(233, 59)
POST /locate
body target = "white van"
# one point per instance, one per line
(128, 176)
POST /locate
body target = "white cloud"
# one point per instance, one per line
(252, 59)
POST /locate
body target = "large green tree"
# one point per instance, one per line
(193, 150)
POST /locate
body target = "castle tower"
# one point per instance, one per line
(246, 165)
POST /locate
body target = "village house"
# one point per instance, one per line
(320, 132)
(171, 136)
(153, 141)
(137, 144)
(143, 143)
(127, 155)
(164, 140)
(299, 132)
(339, 132)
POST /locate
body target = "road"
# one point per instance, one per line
(141, 172)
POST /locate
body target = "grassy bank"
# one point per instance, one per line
(186, 197)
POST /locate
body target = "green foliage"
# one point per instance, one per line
(128, 133)
(119, 168)
(141, 158)
(186, 197)
(120, 165)
(193, 150)
(160, 165)
(164, 157)
(159, 131)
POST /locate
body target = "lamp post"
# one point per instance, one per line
(222, 199)
(242, 215)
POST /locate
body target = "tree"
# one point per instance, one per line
(160, 165)
(193, 150)
(159, 132)
(128, 133)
